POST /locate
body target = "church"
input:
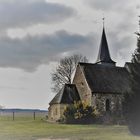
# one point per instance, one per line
(100, 84)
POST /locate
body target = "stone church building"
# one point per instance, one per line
(100, 84)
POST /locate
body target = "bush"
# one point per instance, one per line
(80, 113)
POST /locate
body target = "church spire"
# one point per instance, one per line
(104, 55)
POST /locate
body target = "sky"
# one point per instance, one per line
(36, 34)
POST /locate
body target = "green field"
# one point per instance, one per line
(25, 128)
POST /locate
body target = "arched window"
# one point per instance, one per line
(107, 105)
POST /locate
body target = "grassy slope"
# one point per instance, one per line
(27, 129)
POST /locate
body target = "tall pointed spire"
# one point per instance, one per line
(104, 55)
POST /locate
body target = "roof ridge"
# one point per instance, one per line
(98, 65)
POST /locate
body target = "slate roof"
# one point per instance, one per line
(67, 95)
(106, 79)
(104, 55)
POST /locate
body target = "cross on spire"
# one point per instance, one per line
(103, 20)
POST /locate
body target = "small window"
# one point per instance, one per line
(107, 105)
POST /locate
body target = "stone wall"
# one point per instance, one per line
(82, 86)
(56, 111)
(115, 103)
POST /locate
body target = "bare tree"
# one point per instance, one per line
(65, 70)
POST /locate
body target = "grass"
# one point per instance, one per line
(25, 128)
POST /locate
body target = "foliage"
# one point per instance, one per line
(80, 113)
(65, 70)
(131, 104)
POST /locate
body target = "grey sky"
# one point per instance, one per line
(30, 52)
(35, 34)
(19, 13)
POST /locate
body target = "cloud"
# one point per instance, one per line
(11, 88)
(122, 46)
(108, 5)
(138, 6)
(32, 51)
(19, 13)
(100, 4)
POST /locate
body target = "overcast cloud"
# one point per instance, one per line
(20, 13)
(30, 52)
(111, 5)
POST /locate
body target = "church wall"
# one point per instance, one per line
(82, 86)
(62, 109)
(115, 102)
(56, 111)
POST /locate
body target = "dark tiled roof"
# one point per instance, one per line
(104, 55)
(67, 95)
(106, 79)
